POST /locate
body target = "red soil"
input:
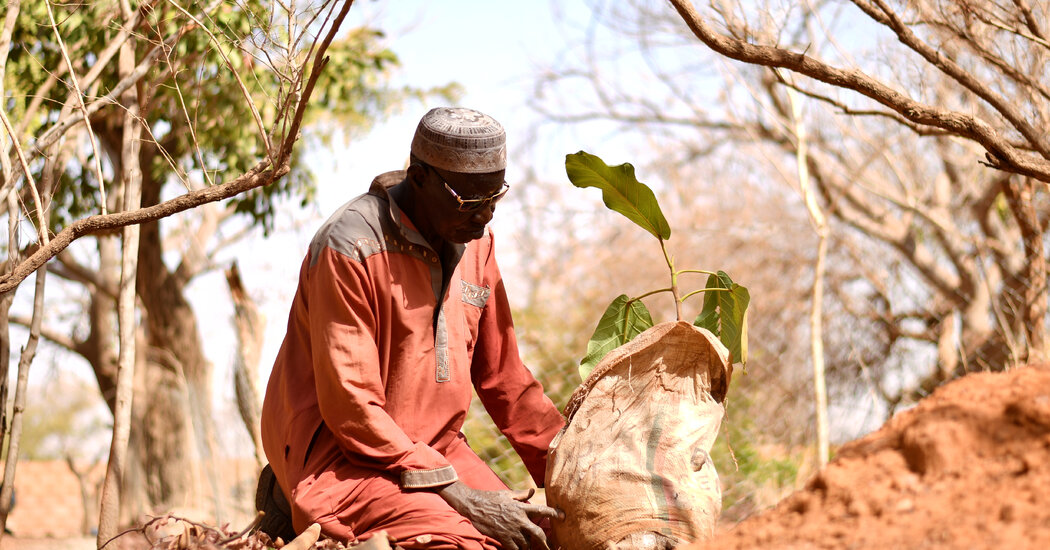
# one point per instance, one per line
(967, 468)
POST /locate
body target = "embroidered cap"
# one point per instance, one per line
(460, 140)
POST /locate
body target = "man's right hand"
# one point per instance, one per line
(502, 515)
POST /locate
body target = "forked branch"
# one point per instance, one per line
(1001, 154)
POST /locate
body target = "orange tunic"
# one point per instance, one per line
(370, 388)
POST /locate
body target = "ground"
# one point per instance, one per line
(16, 543)
(968, 468)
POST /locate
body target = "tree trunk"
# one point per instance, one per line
(177, 373)
(250, 326)
(1033, 279)
(816, 314)
(162, 472)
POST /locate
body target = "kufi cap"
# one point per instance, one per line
(461, 140)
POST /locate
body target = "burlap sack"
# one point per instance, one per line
(631, 468)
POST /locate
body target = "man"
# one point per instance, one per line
(399, 312)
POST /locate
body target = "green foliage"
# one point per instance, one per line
(753, 476)
(725, 302)
(494, 448)
(621, 191)
(725, 314)
(623, 320)
(192, 104)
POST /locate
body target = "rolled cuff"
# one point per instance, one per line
(425, 479)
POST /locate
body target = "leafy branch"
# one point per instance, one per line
(724, 310)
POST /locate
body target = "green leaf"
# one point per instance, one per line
(725, 314)
(622, 321)
(621, 191)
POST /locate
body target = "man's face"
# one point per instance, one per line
(463, 204)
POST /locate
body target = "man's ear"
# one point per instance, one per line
(417, 174)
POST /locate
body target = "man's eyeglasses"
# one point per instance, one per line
(471, 205)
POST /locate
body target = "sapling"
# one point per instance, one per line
(724, 309)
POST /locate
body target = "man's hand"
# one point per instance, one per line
(502, 515)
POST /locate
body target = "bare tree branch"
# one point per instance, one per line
(70, 269)
(1001, 154)
(918, 129)
(190, 126)
(259, 175)
(996, 60)
(320, 60)
(25, 360)
(1033, 24)
(197, 257)
(7, 299)
(10, 19)
(53, 336)
(250, 326)
(6, 171)
(886, 16)
(30, 183)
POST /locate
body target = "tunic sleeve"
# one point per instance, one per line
(347, 371)
(509, 391)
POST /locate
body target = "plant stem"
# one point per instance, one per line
(650, 293)
(674, 281)
(719, 289)
(704, 271)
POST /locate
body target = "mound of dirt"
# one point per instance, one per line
(967, 468)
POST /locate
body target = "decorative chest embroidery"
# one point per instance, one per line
(442, 374)
(441, 344)
(365, 247)
(473, 294)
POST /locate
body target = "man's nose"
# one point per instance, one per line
(484, 214)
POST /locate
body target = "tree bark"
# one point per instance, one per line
(7, 182)
(1033, 280)
(28, 352)
(5, 343)
(250, 325)
(175, 367)
(816, 313)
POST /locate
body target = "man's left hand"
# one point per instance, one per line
(502, 515)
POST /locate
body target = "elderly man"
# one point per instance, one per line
(400, 311)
